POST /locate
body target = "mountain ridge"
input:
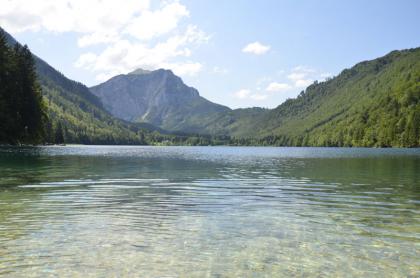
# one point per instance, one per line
(375, 103)
(158, 97)
(299, 121)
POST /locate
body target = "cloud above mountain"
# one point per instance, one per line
(284, 84)
(79, 16)
(244, 94)
(278, 87)
(119, 36)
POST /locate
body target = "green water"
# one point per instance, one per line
(81, 211)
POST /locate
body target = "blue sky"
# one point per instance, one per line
(237, 53)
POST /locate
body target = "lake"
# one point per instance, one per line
(120, 211)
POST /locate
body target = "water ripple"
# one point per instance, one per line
(162, 212)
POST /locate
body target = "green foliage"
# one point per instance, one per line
(77, 116)
(374, 104)
(74, 114)
(22, 111)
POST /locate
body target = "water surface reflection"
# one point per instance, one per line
(218, 212)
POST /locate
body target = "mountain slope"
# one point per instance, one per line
(157, 97)
(78, 114)
(375, 103)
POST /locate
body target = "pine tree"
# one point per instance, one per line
(59, 136)
(22, 112)
(5, 60)
(32, 109)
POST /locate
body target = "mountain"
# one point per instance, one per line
(79, 115)
(373, 104)
(157, 97)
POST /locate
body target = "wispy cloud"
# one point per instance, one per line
(302, 76)
(247, 94)
(256, 48)
(242, 94)
(291, 81)
(278, 87)
(326, 75)
(220, 70)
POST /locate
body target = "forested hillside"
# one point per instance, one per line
(74, 114)
(70, 112)
(374, 104)
(77, 116)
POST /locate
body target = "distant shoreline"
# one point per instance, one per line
(162, 145)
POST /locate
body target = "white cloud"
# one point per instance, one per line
(256, 48)
(288, 82)
(242, 94)
(300, 76)
(187, 68)
(301, 83)
(124, 55)
(247, 94)
(86, 60)
(220, 70)
(79, 16)
(326, 75)
(304, 69)
(294, 76)
(263, 80)
(151, 24)
(278, 87)
(129, 33)
(97, 38)
(258, 97)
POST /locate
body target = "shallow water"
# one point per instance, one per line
(81, 211)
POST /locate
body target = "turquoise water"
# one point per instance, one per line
(89, 211)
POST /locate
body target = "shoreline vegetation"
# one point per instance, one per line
(168, 144)
(40, 106)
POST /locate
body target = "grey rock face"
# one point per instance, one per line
(157, 97)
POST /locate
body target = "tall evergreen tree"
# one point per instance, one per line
(32, 111)
(59, 136)
(22, 112)
(6, 121)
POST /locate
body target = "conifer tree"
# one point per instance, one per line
(4, 87)
(59, 136)
(22, 112)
